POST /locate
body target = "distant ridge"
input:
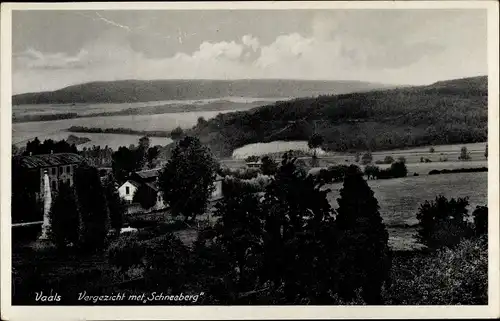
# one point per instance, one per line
(126, 91)
(446, 112)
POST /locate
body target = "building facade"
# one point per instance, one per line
(150, 179)
(60, 168)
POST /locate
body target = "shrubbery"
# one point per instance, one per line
(458, 170)
(480, 216)
(442, 222)
(448, 277)
(126, 252)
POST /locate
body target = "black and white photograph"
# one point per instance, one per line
(250, 155)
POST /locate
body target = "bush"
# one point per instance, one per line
(269, 166)
(442, 222)
(166, 259)
(398, 169)
(431, 150)
(402, 159)
(126, 252)
(480, 216)
(372, 171)
(252, 158)
(388, 160)
(464, 154)
(448, 277)
(367, 158)
(236, 186)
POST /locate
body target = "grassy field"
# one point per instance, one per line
(400, 198)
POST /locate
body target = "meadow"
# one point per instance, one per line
(400, 198)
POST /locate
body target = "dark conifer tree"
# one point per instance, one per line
(363, 240)
(64, 217)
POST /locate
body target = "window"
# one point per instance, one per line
(54, 185)
(53, 170)
(68, 169)
(127, 190)
(61, 170)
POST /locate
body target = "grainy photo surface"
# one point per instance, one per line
(324, 157)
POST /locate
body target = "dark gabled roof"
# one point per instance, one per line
(134, 183)
(49, 160)
(148, 174)
(153, 186)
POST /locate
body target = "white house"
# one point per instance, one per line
(150, 179)
(217, 192)
(127, 190)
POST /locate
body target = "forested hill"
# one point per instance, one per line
(125, 91)
(446, 112)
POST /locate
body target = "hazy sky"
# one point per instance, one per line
(54, 49)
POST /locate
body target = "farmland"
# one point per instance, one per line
(400, 198)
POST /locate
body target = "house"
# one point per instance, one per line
(60, 167)
(150, 179)
(127, 190)
(257, 164)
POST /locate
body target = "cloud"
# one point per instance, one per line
(251, 41)
(336, 48)
(34, 59)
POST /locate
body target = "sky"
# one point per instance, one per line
(55, 49)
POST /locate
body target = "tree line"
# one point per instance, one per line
(376, 120)
(282, 245)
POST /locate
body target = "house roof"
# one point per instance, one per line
(150, 173)
(153, 186)
(133, 183)
(50, 160)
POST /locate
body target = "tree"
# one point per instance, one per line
(315, 141)
(92, 208)
(176, 133)
(146, 196)
(442, 222)
(166, 259)
(367, 158)
(239, 233)
(269, 166)
(152, 155)
(26, 206)
(252, 158)
(201, 122)
(299, 245)
(388, 160)
(372, 171)
(186, 180)
(64, 217)
(142, 152)
(363, 239)
(464, 154)
(398, 169)
(402, 159)
(115, 203)
(124, 162)
(480, 216)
